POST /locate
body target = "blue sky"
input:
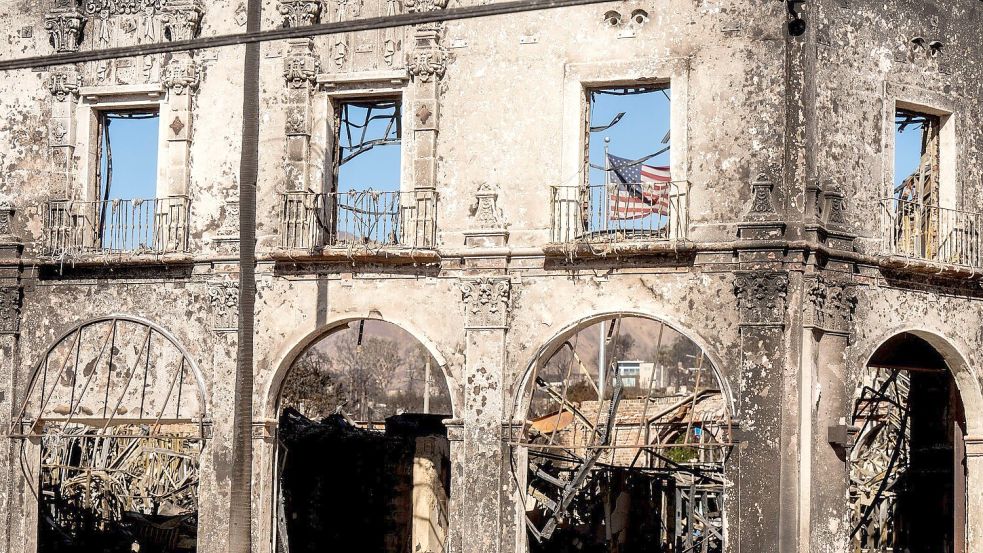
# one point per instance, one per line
(639, 133)
(134, 143)
(377, 168)
(908, 152)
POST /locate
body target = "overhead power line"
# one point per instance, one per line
(367, 24)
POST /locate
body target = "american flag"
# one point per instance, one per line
(637, 190)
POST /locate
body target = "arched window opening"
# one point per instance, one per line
(363, 461)
(908, 467)
(116, 408)
(625, 436)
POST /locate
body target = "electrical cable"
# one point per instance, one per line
(269, 35)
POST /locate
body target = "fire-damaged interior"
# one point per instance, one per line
(111, 434)
(908, 467)
(363, 460)
(624, 443)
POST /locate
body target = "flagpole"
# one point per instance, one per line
(602, 347)
(606, 196)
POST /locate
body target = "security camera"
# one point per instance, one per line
(797, 27)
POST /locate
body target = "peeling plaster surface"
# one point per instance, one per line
(505, 98)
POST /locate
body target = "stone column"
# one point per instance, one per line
(761, 296)
(974, 493)
(487, 301)
(767, 456)
(11, 295)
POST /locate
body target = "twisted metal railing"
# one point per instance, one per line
(606, 213)
(932, 233)
(151, 226)
(358, 219)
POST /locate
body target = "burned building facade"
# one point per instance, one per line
(829, 305)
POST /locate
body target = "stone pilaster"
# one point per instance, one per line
(300, 68)
(426, 63)
(11, 310)
(64, 86)
(65, 24)
(180, 77)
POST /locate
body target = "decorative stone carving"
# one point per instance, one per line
(182, 19)
(230, 220)
(761, 205)
(834, 207)
(417, 6)
(223, 298)
(486, 213)
(830, 306)
(6, 218)
(428, 59)
(10, 297)
(486, 302)
(65, 29)
(300, 13)
(63, 84)
(301, 65)
(296, 121)
(761, 297)
(181, 75)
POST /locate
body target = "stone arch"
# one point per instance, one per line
(115, 421)
(553, 342)
(405, 461)
(306, 337)
(966, 377)
(924, 397)
(629, 441)
(80, 408)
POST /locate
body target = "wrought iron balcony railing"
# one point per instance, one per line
(608, 213)
(151, 226)
(359, 219)
(932, 233)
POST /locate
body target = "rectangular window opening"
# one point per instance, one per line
(127, 214)
(922, 228)
(916, 157)
(630, 190)
(366, 206)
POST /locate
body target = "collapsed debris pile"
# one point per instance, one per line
(119, 490)
(629, 457)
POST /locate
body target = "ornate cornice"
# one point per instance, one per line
(761, 297)
(487, 302)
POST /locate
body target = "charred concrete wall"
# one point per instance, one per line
(786, 143)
